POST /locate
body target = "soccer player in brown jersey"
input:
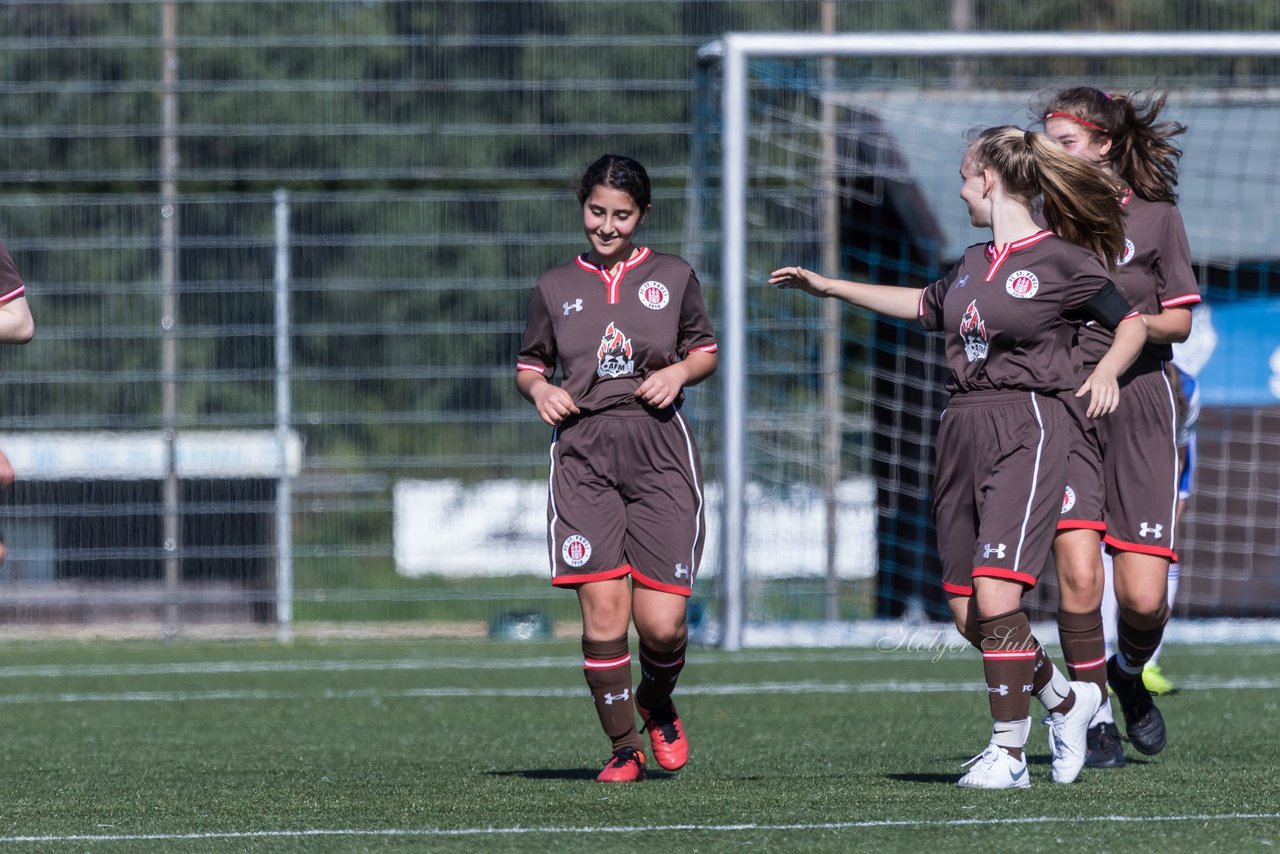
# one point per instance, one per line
(16, 324)
(16, 327)
(1009, 309)
(1123, 472)
(628, 328)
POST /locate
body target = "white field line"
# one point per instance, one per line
(643, 828)
(932, 646)
(450, 663)
(722, 690)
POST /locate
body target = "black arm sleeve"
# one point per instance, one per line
(1108, 307)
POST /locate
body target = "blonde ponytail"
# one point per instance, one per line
(1081, 201)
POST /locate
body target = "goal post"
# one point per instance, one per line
(733, 64)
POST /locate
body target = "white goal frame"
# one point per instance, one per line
(733, 51)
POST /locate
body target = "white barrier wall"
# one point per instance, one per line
(494, 528)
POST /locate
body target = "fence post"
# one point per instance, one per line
(284, 484)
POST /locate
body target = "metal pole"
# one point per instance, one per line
(284, 483)
(172, 527)
(733, 273)
(692, 250)
(830, 359)
(961, 22)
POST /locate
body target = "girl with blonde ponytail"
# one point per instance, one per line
(1009, 310)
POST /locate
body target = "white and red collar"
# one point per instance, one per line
(613, 278)
(997, 257)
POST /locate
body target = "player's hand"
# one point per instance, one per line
(553, 403)
(800, 279)
(1105, 391)
(6, 470)
(661, 388)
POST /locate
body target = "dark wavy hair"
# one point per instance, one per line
(618, 173)
(1142, 151)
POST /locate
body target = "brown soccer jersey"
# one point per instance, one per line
(11, 284)
(625, 494)
(608, 330)
(1007, 313)
(1154, 273)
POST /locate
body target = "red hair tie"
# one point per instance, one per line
(1077, 120)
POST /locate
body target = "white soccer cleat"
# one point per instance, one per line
(995, 768)
(1069, 733)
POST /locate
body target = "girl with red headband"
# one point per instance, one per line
(1122, 473)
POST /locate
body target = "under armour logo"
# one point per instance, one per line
(682, 571)
(1154, 530)
(962, 281)
(576, 305)
(621, 698)
(1003, 690)
(998, 550)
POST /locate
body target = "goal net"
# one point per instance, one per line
(842, 154)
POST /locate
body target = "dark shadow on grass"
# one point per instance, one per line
(566, 774)
(547, 773)
(949, 779)
(1048, 760)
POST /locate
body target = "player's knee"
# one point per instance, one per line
(1080, 581)
(606, 619)
(665, 636)
(1145, 610)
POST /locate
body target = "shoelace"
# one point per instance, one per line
(1058, 741)
(991, 753)
(665, 721)
(623, 756)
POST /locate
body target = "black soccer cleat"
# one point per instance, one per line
(1143, 723)
(1104, 750)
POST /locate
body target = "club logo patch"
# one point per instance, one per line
(614, 354)
(1023, 284)
(654, 295)
(1127, 255)
(973, 332)
(576, 550)
(1068, 500)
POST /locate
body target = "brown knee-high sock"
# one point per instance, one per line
(607, 667)
(1136, 644)
(1083, 647)
(1009, 663)
(659, 671)
(1047, 682)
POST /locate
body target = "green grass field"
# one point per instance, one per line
(483, 746)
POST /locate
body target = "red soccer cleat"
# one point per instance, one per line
(666, 734)
(625, 766)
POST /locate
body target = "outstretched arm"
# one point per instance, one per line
(891, 300)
